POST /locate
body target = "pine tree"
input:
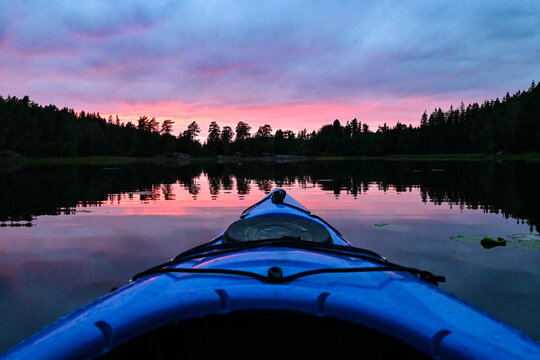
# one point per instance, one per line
(424, 119)
(166, 126)
(213, 132)
(242, 131)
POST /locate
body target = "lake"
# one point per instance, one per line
(68, 234)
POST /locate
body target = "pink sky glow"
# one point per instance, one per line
(310, 116)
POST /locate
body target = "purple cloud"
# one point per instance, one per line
(94, 54)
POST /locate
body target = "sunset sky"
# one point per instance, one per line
(291, 64)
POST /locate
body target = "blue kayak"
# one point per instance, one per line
(279, 283)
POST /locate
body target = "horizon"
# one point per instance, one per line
(292, 66)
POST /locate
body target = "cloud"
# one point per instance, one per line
(242, 53)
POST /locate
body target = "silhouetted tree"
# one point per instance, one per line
(153, 125)
(143, 123)
(288, 134)
(264, 132)
(226, 134)
(424, 120)
(242, 131)
(192, 131)
(166, 127)
(355, 127)
(213, 132)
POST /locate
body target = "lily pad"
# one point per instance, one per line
(380, 225)
(526, 244)
(526, 241)
(468, 239)
(486, 241)
(526, 237)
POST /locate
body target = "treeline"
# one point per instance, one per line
(510, 125)
(33, 130)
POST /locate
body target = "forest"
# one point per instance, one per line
(507, 125)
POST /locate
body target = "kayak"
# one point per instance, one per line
(279, 283)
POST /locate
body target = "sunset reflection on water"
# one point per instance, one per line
(84, 241)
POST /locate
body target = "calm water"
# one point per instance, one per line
(70, 233)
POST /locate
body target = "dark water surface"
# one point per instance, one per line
(70, 233)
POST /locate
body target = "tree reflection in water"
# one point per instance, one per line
(508, 188)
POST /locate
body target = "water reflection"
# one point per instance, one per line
(109, 224)
(507, 188)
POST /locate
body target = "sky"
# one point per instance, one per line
(291, 64)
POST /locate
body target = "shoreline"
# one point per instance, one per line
(76, 160)
(122, 160)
